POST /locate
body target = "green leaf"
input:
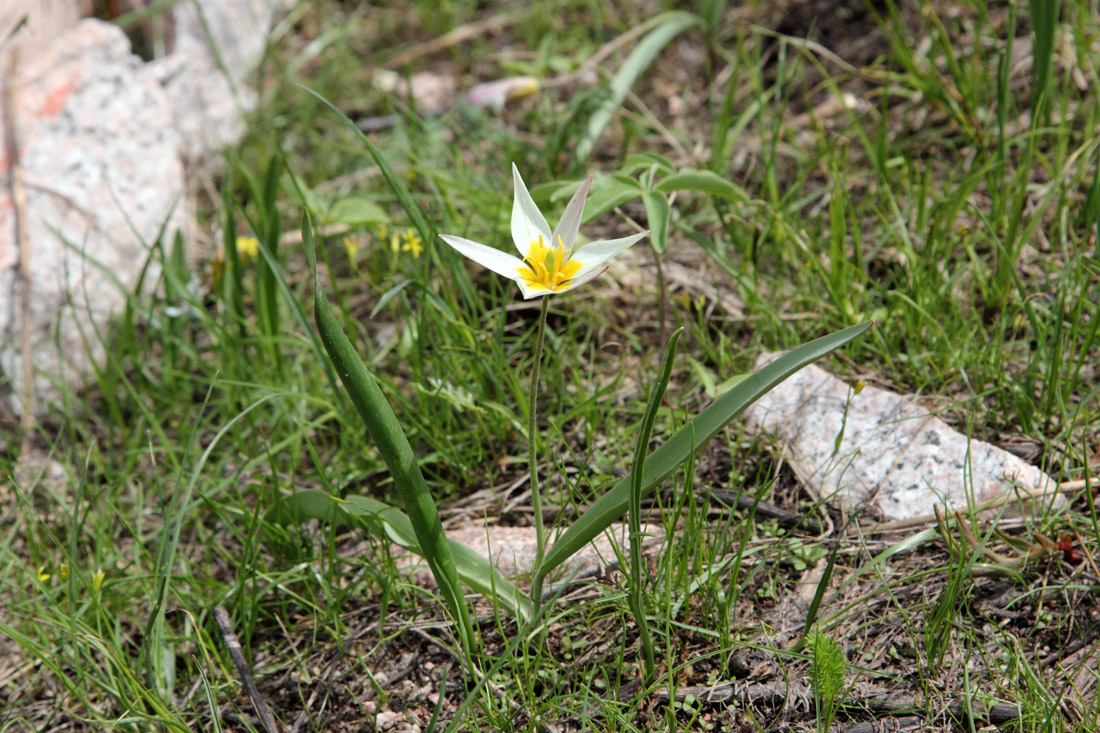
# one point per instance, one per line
(689, 438)
(707, 182)
(386, 433)
(551, 192)
(706, 376)
(309, 198)
(602, 201)
(392, 524)
(1044, 26)
(279, 279)
(659, 213)
(635, 161)
(671, 24)
(626, 180)
(303, 506)
(233, 284)
(712, 11)
(357, 211)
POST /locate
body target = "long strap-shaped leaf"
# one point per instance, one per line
(698, 432)
(671, 24)
(386, 432)
(391, 524)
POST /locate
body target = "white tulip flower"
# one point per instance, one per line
(550, 262)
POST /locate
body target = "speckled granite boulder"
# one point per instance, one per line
(211, 92)
(101, 171)
(101, 140)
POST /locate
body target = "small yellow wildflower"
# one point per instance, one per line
(395, 243)
(43, 574)
(97, 580)
(413, 243)
(248, 247)
(352, 247)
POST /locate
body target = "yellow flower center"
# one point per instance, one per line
(548, 269)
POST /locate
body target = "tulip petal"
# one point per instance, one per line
(530, 292)
(592, 256)
(499, 262)
(583, 280)
(528, 223)
(571, 218)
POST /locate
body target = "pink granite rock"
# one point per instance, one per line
(100, 139)
(100, 165)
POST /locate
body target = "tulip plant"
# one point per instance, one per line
(553, 262)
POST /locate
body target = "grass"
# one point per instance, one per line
(949, 200)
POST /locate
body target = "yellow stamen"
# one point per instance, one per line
(548, 269)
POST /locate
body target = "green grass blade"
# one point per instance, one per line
(673, 24)
(396, 184)
(278, 277)
(712, 12)
(233, 285)
(266, 228)
(393, 445)
(1091, 211)
(698, 432)
(822, 586)
(1044, 23)
(649, 417)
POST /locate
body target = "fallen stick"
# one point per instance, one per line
(233, 645)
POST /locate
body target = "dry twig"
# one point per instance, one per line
(233, 645)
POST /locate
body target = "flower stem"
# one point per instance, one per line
(532, 460)
(662, 302)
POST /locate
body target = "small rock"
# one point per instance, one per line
(512, 549)
(205, 77)
(387, 719)
(893, 456)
